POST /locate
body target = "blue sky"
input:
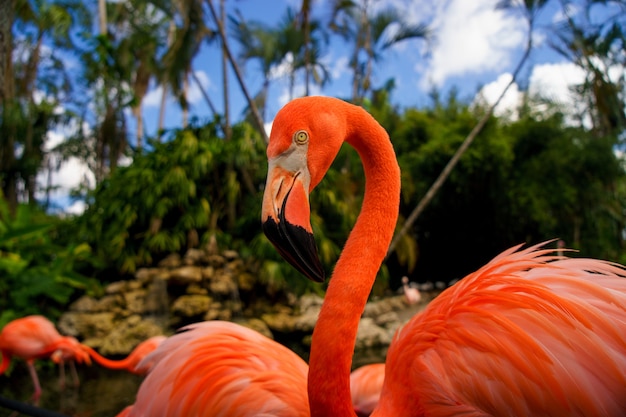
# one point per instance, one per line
(473, 46)
(474, 49)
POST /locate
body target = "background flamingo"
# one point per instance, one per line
(411, 295)
(366, 383)
(35, 337)
(131, 362)
(220, 368)
(530, 333)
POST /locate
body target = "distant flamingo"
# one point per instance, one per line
(528, 334)
(131, 362)
(218, 368)
(411, 295)
(366, 383)
(35, 337)
(63, 356)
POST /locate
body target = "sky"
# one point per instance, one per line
(474, 50)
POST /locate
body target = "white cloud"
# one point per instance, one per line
(194, 94)
(507, 107)
(153, 98)
(554, 82)
(70, 173)
(471, 37)
(547, 81)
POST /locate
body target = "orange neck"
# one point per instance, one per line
(125, 363)
(334, 336)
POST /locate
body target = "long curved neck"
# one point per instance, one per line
(108, 363)
(334, 336)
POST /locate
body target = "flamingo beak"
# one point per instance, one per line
(286, 219)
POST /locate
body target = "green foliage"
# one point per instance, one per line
(38, 275)
(528, 181)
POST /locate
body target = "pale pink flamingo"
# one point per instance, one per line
(411, 295)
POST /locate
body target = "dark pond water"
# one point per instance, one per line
(102, 392)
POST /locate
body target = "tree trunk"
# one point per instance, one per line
(228, 132)
(102, 16)
(161, 122)
(7, 139)
(185, 108)
(455, 158)
(255, 112)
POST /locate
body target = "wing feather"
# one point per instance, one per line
(530, 333)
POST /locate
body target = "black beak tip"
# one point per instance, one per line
(296, 246)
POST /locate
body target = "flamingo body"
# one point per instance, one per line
(366, 384)
(218, 369)
(530, 333)
(35, 337)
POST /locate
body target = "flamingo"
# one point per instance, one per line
(218, 368)
(411, 295)
(35, 337)
(131, 362)
(366, 383)
(529, 333)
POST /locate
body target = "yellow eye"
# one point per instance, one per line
(301, 137)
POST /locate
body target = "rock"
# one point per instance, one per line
(197, 289)
(171, 261)
(370, 335)
(259, 326)
(230, 254)
(216, 261)
(246, 281)
(86, 325)
(306, 322)
(214, 311)
(279, 322)
(191, 305)
(127, 334)
(86, 304)
(194, 257)
(156, 299)
(186, 275)
(148, 275)
(387, 320)
(135, 301)
(308, 301)
(208, 273)
(222, 284)
(116, 287)
(376, 308)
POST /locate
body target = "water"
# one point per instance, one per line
(102, 392)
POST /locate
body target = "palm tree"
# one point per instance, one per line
(302, 40)
(596, 47)
(186, 40)
(7, 144)
(258, 42)
(144, 26)
(372, 36)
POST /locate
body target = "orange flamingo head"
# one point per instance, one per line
(306, 135)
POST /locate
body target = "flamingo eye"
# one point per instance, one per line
(301, 137)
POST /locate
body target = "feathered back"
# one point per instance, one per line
(222, 369)
(530, 332)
